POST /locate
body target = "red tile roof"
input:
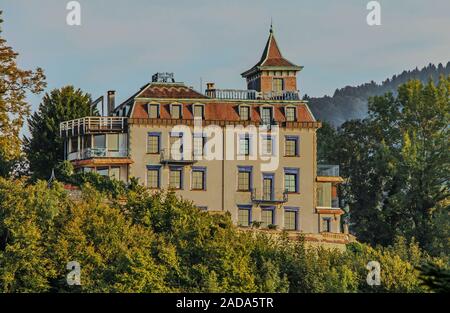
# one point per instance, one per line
(222, 111)
(171, 91)
(271, 56)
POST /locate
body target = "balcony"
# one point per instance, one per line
(238, 94)
(176, 158)
(90, 153)
(328, 170)
(269, 197)
(92, 125)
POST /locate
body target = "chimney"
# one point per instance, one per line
(111, 102)
(210, 86)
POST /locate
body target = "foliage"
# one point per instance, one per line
(436, 276)
(44, 148)
(396, 164)
(14, 85)
(157, 242)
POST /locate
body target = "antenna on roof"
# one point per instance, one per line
(271, 25)
(201, 85)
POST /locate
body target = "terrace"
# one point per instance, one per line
(237, 94)
(92, 125)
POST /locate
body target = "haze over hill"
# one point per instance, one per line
(351, 102)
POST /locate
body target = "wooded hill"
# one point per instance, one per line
(351, 102)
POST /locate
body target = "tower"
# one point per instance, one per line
(272, 73)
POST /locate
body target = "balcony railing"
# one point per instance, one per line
(275, 196)
(92, 124)
(90, 153)
(176, 157)
(327, 170)
(237, 94)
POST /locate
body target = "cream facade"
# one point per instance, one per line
(141, 138)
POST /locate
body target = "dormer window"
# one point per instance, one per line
(198, 111)
(244, 112)
(266, 115)
(290, 113)
(175, 111)
(153, 110)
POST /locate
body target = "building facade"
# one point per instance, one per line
(250, 152)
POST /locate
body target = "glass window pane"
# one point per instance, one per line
(290, 181)
(266, 217)
(198, 111)
(266, 115)
(290, 114)
(244, 146)
(291, 147)
(175, 179)
(113, 142)
(290, 220)
(267, 146)
(244, 113)
(277, 84)
(114, 172)
(153, 111)
(103, 171)
(99, 141)
(153, 144)
(244, 217)
(198, 180)
(326, 225)
(73, 144)
(244, 181)
(176, 111)
(152, 178)
(198, 145)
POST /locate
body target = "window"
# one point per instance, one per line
(290, 219)
(291, 146)
(176, 146)
(244, 216)
(268, 187)
(244, 145)
(278, 84)
(267, 217)
(103, 171)
(153, 143)
(244, 113)
(114, 172)
(175, 178)
(113, 142)
(266, 116)
(198, 111)
(244, 178)
(153, 178)
(74, 144)
(324, 195)
(87, 141)
(176, 111)
(291, 180)
(326, 224)
(198, 178)
(199, 143)
(290, 114)
(99, 141)
(153, 111)
(267, 145)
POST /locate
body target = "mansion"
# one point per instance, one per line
(160, 135)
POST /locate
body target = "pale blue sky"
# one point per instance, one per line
(122, 43)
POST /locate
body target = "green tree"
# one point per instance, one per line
(44, 147)
(14, 84)
(397, 164)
